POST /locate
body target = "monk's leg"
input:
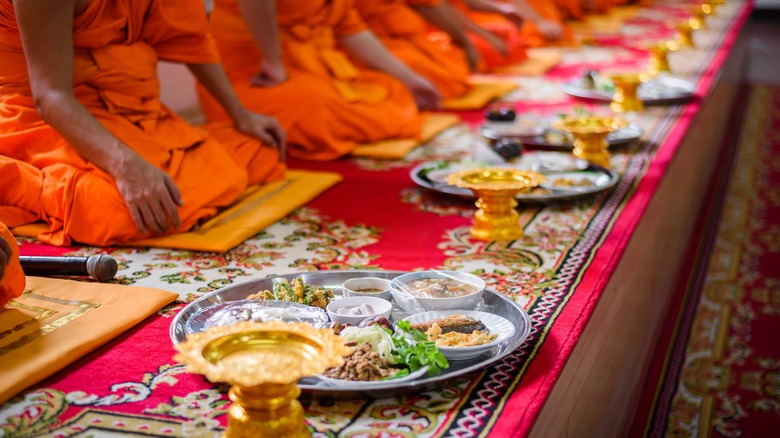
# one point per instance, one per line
(261, 162)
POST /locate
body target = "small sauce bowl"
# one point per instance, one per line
(367, 287)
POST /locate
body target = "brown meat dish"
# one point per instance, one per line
(453, 323)
(363, 364)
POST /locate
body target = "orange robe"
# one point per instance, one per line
(404, 32)
(12, 283)
(327, 105)
(571, 9)
(117, 44)
(504, 29)
(549, 10)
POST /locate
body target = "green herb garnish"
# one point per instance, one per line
(417, 352)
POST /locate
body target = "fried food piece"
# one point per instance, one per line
(452, 323)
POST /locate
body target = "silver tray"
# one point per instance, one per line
(621, 137)
(494, 303)
(608, 180)
(661, 90)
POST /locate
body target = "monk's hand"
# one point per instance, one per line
(271, 74)
(550, 30)
(496, 43)
(472, 57)
(264, 128)
(425, 93)
(5, 256)
(150, 194)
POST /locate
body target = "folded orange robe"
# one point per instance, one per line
(117, 44)
(404, 32)
(12, 283)
(328, 105)
(501, 27)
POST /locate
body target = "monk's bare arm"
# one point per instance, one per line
(550, 29)
(444, 18)
(367, 47)
(467, 24)
(46, 31)
(264, 128)
(260, 17)
(5, 256)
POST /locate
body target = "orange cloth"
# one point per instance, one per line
(12, 283)
(571, 9)
(404, 32)
(328, 105)
(55, 322)
(549, 10)
(117, 45)
(500, 26)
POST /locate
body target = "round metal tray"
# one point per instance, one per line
(621, 137)
(661, 90)
(419, 175)
(494, 303)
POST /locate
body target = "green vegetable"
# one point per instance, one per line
(417, 352)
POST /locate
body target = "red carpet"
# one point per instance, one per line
(717, 370)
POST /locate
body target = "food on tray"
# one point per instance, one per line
(456, 339)
(382, 354)
(556, 137)
(456, 331)
(593, 80)
(452, 323)
(569, 182)
(363, 309)
(501, 115)
(536, 191)
(508, 148)
(297, 292)
(440, 288)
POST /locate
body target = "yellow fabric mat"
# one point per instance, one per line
(482, 94)
(540, 61)
(55, 322)
(396, 149)
(258, 208)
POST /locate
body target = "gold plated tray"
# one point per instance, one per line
(493, 302)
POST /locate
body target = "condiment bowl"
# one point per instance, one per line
(453, 290)
(357, 287)
(376, 306)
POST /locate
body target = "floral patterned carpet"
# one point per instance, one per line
(378, 219)
(720, 376)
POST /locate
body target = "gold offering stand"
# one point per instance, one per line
(496, 188)
(590, 136)
(697, 20)
(659, 57)
(685, 34)
(626, 97)
(262, 362)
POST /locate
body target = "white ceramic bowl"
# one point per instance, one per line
(379, 306)
(412, 303)
(351, 287)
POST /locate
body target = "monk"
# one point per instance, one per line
(12, 279)
(485, 25)
(400, 26)
(85, 143)
(538, 21)
(290, 59)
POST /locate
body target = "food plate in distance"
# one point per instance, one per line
(494, 323)
(660, 90)
(543, 195)
(371, 384)
(553, 139)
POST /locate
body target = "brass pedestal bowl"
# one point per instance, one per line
(659, 57)
(626, 96)
(496, 188)
(263, 362)
(590, 136)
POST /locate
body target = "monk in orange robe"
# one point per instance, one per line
(85, 143)
(496, 37)
(544, 24)
(288, 59)
(404, 32)
(538, 22)
(12, 279)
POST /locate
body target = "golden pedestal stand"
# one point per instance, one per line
(626, 96)
(685, 35)
(496, 218)
(590, 136)
(263, 362)
(697, 20)
(659, 59)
